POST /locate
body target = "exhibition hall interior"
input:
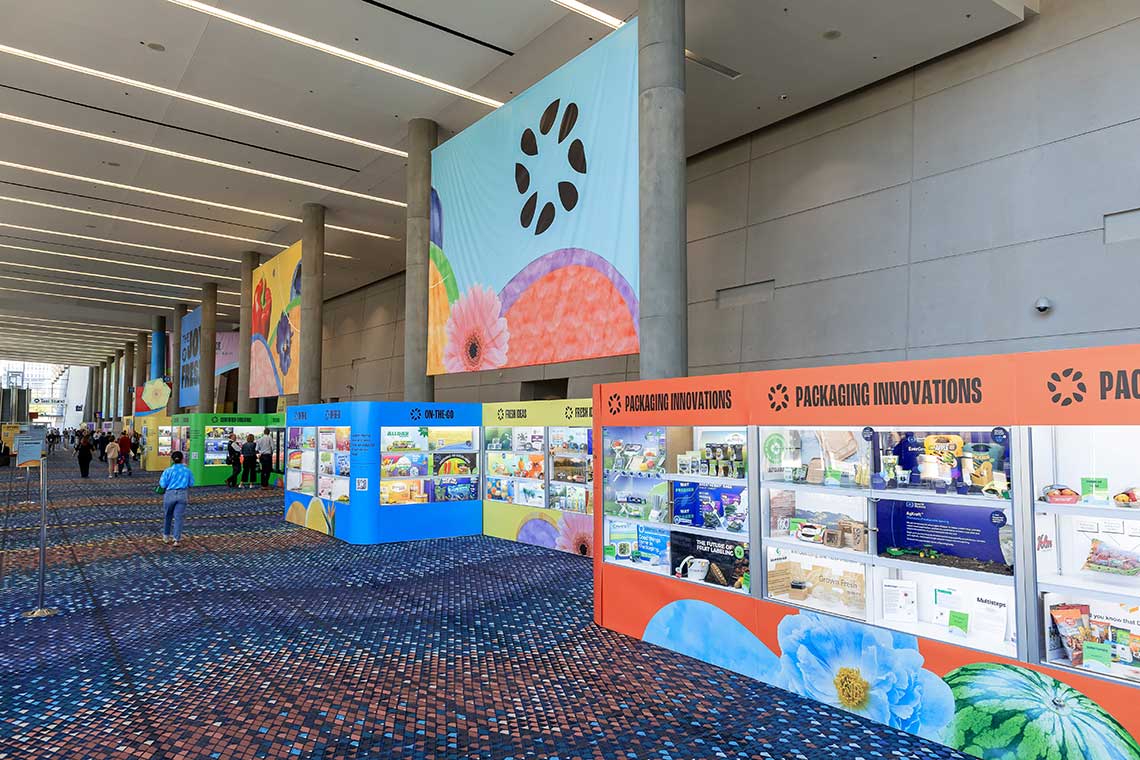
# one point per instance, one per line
(569, 379)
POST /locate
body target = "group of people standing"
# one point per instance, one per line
(248, 458)
(118, 453)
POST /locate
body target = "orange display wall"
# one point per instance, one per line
(948, 547)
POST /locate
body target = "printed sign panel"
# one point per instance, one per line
(276, 325)
(533, 202)
(188, 378)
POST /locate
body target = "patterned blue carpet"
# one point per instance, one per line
(256, 639)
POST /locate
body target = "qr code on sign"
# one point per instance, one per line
(362, 484)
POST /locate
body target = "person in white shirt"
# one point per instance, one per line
(265, 448)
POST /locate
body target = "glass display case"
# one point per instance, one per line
(419, 465)
(911, 530)
(165, 440)
(318, 461)
(676, 503)
(1087, 547)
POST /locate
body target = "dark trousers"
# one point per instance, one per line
(84, 467)
(249, 469)
(265, 461)
(235, 474)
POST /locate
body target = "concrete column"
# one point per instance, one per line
(96, 393)
(117, 387)
(130, 372)
(249, 261)
(661, 153)
(423, 135)
(208, 349)
(142, 360)
(89, 394)
(108, 384)
(157, 347)
(312, 302)
(172, 406)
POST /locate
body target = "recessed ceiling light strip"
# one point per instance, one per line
(109, 277)
(197, 159)
(104, 289)
(124, 242)
(123, 328)
(86, 298)
(28, 55)
(121, 264)
(133, 220)
(16, 324)
(62, 338)
(186, 198)
(323, 47)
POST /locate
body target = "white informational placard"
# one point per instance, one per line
(900, 601)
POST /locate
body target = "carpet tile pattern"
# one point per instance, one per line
(257, 639)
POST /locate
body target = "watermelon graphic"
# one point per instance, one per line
(1003, 712)
(569, 304)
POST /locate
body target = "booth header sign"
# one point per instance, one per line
(276, 325)
(534, 222)
(191, 351)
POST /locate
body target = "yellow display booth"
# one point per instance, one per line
(539, 471)
(156, 432)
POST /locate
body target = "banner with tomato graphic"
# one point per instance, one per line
(276, 325)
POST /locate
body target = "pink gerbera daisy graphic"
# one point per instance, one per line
(477, 335)
(576, 534)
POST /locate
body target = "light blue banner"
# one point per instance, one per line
(191, 349)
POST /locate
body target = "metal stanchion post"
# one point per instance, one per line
(41, 611)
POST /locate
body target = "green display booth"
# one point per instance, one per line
(203, 438)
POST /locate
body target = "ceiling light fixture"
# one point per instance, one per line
(198, 100)
(186, 198)
(616, 23)
(197, 159)
(84, 340)
(110, 276)
(107, 290)
(121, 264)
(123, 242)
(126, 328)
(132, 220)
(85, 298)
(11, 324)
(323, 47)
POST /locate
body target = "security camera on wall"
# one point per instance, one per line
(1043, 305)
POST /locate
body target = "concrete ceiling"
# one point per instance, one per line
(495, 48)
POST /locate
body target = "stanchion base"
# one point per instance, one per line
(26, 501)
(40, 612)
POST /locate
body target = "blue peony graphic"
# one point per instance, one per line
(706, 632)
(874, 673)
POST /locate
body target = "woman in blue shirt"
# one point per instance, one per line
(174, 485)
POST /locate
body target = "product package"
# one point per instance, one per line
(1072, 621)
(1105, 558)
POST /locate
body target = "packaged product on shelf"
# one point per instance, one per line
(455, 489)
(404, 466)
(499, 489)
(455, 464)
(405, 491)
(621, 540)
(639, 450)
(652, 547)
(1106, 558)
(712, 507)
(1072, 621)
(716, 561)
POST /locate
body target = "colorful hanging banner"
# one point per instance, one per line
(534, 222)
(188, 379)
(276, 327)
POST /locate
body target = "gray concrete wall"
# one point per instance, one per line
(920, 217)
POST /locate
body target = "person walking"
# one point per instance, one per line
(174, 485)
(136, 445)
(233, 459)
(265, 457)
(248, 461)
(101, 444)
(84, 453)
(111, 454)
(125, 453)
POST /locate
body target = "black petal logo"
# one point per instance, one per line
(1067, 387)
(502, 415)
(575, 158)
(415, 413)
(568, 412)
(778, 397)
(615, 403)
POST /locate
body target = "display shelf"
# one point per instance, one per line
(1086, 509)
(806, 604)
(656, 474)
(726, 534)
(933, 497)
(708, 480)
(802, 547)
(645, 569)
(387, 478)
(941, 633)
(1084, 586)
(784, 485)
(941, 570)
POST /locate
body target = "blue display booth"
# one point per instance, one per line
(371, 472)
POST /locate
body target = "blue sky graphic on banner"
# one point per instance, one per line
(191, 346)
(534, 228)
